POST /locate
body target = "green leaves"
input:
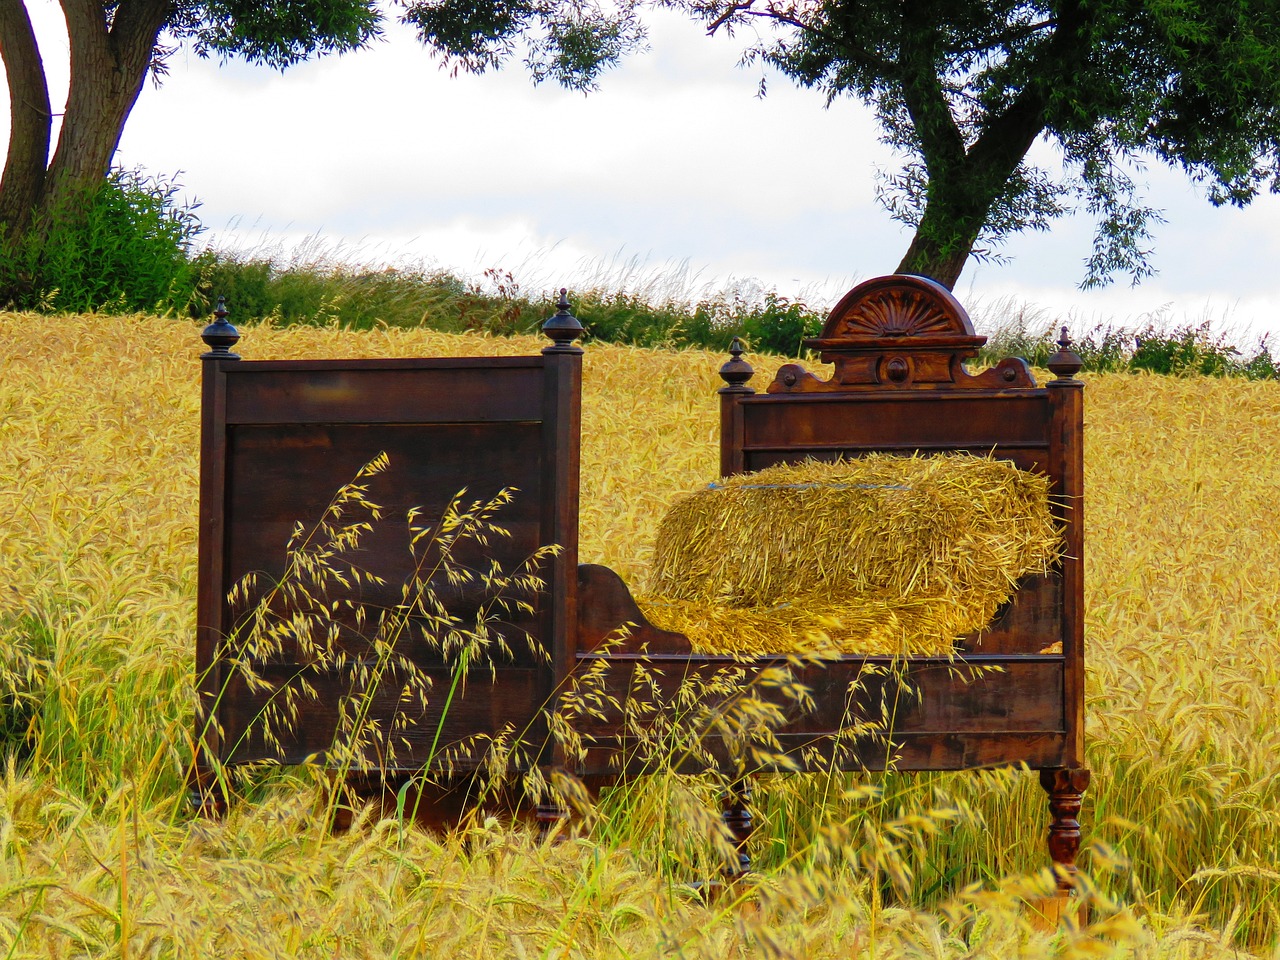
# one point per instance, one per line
(569, 41)
(1192, 83)
(279, 33)
(121, 245)
(471, 35)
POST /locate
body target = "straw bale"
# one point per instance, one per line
(882, 554)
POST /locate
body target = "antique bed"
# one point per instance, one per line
(279, 437)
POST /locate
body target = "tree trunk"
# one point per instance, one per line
(109, 62)
(966, 182)
(941, 261)
(962, 190)
(30, 120)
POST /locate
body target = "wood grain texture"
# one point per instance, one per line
(279, 437)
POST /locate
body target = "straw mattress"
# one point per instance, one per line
(881, 554)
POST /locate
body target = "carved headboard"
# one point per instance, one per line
(900, 331)
(898, 345)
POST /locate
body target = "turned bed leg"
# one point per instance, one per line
(548, 814)
(736, 814)
(1065, 787)
(205, 795)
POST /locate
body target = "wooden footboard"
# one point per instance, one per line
(305, 653)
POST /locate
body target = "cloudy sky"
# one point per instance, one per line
(675, 174)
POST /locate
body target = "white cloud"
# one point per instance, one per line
(674, 161)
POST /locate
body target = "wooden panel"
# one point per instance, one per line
(922, 695)
(283, 475)
(983, 711)
(286, 473)
(921, 420)
(484, 707)
(282, 437)
(1028, 623)
(906, 753)
(372, 391)
(1035, 459)
(978, 694)
(942, 750)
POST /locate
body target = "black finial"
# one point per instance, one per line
(736, 371)
(1066, 363)
(220, 336)
(563, 328)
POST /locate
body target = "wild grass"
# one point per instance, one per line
(99, 857)
(316, 284)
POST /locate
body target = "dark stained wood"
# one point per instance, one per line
(561, 433)
(607, 613)
(429, 735)
(279, 437)
(1067, 450)
(899, 333)
(898, 346)
(386, 391)
(1066, 789)
(735, 373)
(736, 813)
(210, 575)
(926, 419)
(1028, 623)
(903, 753)
(979, 693)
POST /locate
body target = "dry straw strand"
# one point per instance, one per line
(880, 554)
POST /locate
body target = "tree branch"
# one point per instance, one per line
(941, 142)
(1007, 136)
(788, 16)
(731, 11)
(1000, 39)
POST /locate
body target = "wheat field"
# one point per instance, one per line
(99, 856)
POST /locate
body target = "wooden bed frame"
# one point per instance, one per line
(279, 437)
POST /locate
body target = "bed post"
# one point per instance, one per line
(735, 373)
(736, 814)
(1066, 451)
(562, 426)
(735, 809)
(1066, 785)
(206, 792)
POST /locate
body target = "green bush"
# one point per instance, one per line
(313, 287)
(122, 246)
(1187, 350)
(779, 325)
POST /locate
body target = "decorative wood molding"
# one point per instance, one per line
(900, 332)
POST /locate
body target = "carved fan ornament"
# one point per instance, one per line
(888, 313)
(900, 331)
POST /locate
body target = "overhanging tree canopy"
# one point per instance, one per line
(115, 44)
(964, 88)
